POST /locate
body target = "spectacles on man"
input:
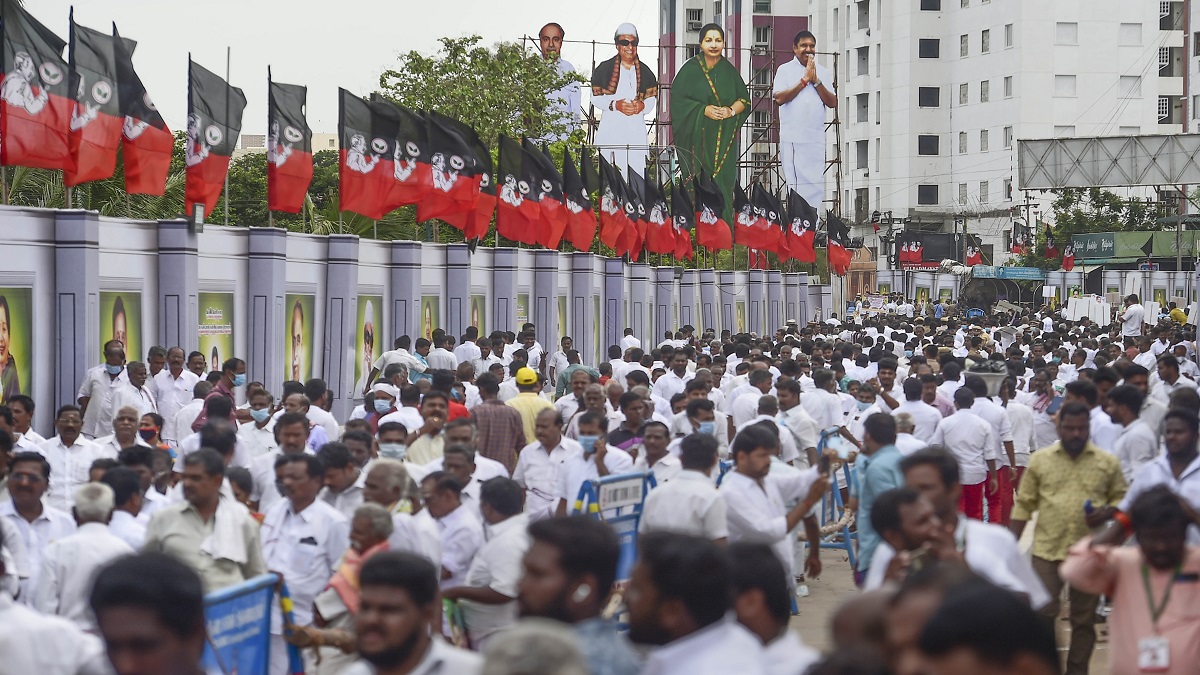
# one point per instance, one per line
(627, 43)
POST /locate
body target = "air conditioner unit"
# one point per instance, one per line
(694, 26)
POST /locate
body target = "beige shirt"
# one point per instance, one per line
(179, 530)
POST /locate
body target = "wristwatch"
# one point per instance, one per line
(610, 105)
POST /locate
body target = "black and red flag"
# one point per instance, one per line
(518, 214)
(802, 229)
(839, 245)
(660, 232)
(1051, 247)
(1068, 261)
(412, 174)
(455, 174)
(712, 232)
(639, 214)
(750, 227)
(581, 216)
(146, 142)
(36, 103)
(548, 183)
(365, 161)
(613, 220)
(96, 120)
(683, 221)
(1019, 240)
(214, 122)
(476, 222)
(770, 212)
(289, 147)
(974, 254)
(587, 171)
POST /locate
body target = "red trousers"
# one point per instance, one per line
(1000, 502)
(971, 502)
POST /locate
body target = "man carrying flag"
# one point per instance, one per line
(96, 120)
(712, 232)
(146, 142)
(581, 217)
(35, 94)
(839, 243)
(289, 147)
(802, 229)
(214, 122)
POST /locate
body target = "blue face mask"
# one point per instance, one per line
(239, 380)
(863, 405)
(1056, 360)
(588, 443)
(261, 415)
(113, 370)
(382, 405)
(709, 428)
(908, 353)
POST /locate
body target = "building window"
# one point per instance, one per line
(1008, 137)
(761, 160)
(929, 97)
(962, 94)
(927, 194)
(864, 14)
(962, 142)
(931, 5)
(762, 36)
(983, 140)
(985, 89)
(762, 78)
(1129, 35)
(1131, 86)
(1008, 35)
(985, 45)
(695, 16)
(962, 193)
(878, 107)
(860, 154)
(963, 45)
(966, 3)
(1064, 85)
(1066, 33)
(717, 9)
(983, 192)
(1195, 44)
(691, 51)
(1164, 108)
(927, 144)
(862, 108)
(1008, 86)
(332, 143)
(762, 119)
(762, 6)
(1008, 189)
(863, 56)
(928, 48)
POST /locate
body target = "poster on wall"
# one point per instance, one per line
(922, 294)
(1160, 296)
(299, 317)
(479, 313)
(121, 319)
(367, 322)
(739, 316)
(522, 309)
(216, 328)
(16, 342)
(562, 317)
(945, 295)
(431, 317)
(885, 289)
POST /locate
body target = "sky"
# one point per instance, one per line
(325, 45)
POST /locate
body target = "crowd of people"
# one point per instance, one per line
(435, 529)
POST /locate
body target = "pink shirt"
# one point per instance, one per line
(1117, 572)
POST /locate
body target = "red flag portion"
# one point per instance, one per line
(455, 175)
(146, 142)
(581, 217)
(214, 122)
(683, 221)
(289, 147)
(476, 222)
(518, 214)
(613, 220)
(548, 183)
(412, 175)
(712, 232)
(750, 224)
(96, 120)
(35, 94)
(770, 211)
(1051, 247)
(839, 242)
(1068, 262)
(365, 160)
(802, 229)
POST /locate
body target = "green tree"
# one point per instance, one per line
(1085, 210)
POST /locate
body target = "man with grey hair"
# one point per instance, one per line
(135, 392)
(906, 443)
(535, 646)
(69, 564)
(389, 485)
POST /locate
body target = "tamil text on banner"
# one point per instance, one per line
(239, 627)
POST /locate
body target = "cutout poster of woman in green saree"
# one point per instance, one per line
(709, 104)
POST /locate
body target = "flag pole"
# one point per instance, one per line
(228, 56)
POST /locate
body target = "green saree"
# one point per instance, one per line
(703, 142)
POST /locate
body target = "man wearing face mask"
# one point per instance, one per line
(700, 416)
(95, 394)
(258, 435)
(594, 461)
(383, 403)
(233, 375)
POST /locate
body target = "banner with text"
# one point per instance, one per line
(239, 627)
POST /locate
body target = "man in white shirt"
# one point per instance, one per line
(124, 434)
(628, 341)
(174, 385)
(134, 392)
(439, 357)
(488, 596)
(33, 642)
(127, 504)
(539, 464)
(258, 435)
(70, 456)
(692, 575)
(798, 423)
(399, 355)
(38, 523)
(761, 602)
(803, 90)
(467, 351)
(925, 513)
(1170, 379)
(187, 415)
(825, 406)
(973, 443)
(70, 564)
(925, 417)
(906, 443)
(654, 457)
(1137, 444)
(95, 393)
(303, 538)
(592, 461)
(461, 532)
(689, 503)
(1131, 317)
(343, 479)
(742, 404)
(394, 582)
(674, 381)
(755, 500)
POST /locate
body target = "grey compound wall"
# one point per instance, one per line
(66, 260)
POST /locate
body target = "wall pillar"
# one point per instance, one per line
(267, 275)
(341, 309)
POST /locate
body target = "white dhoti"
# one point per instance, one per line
(803, 167)
(621, 139)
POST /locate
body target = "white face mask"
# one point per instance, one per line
(396, 451)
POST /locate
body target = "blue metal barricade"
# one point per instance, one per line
(617, 500)
(833, 509)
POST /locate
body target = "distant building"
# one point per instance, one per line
(258, 143)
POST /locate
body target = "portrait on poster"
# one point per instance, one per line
(299, 316)
(215, 323)
(121, 320)
(16, 342)
(367, 344)
(562, 317)
(430, 315)
(479, 313)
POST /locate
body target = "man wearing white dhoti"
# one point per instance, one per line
(624, 90)
(803, 89)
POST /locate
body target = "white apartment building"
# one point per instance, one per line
(935, 95)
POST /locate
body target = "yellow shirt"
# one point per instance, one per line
(529, 405)
(1178, 316)
(1056, 487)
